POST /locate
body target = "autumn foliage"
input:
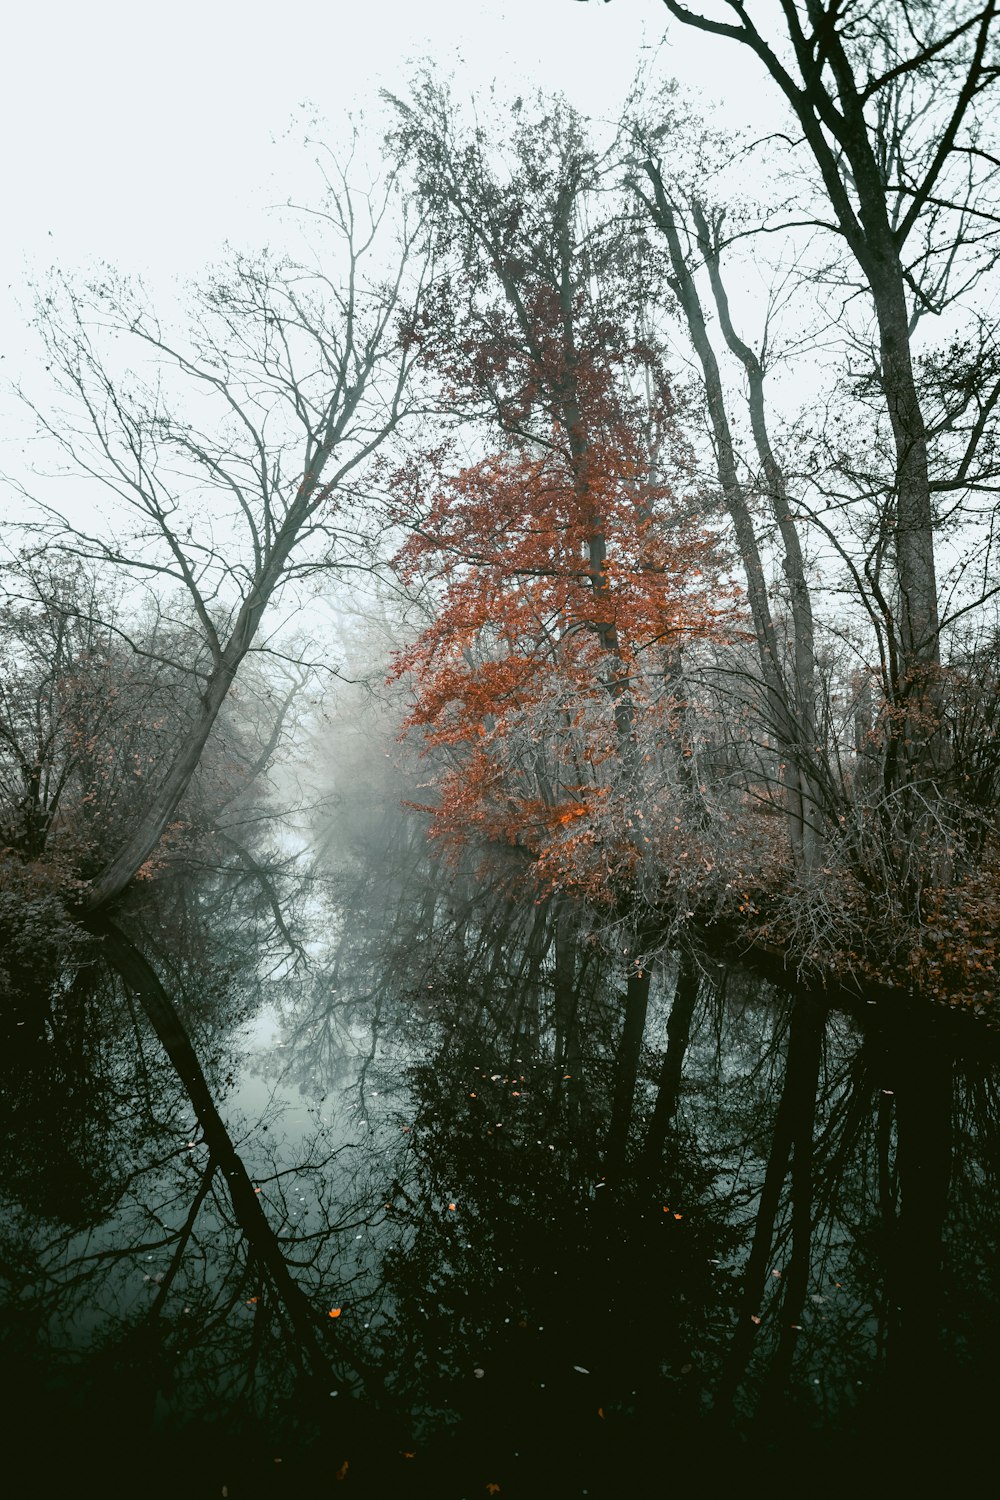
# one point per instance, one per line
(542, 687)
(569, 568)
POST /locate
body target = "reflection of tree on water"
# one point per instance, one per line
(762, 1230)
(182, 1293)
(841, 1301)
(506, 1262)
(560, 1126)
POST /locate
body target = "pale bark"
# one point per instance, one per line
(823, 90)
(806, 734)
(778, 710)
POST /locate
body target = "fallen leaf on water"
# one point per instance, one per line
(409, 1455)
(342, 1471)
(492, 1489)
(600, 1412)
(335, 1312)
(678, 1216)
(251, 1301)
(754, 1318)
(452, 1207)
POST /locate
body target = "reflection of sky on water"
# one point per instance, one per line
(791, 1249)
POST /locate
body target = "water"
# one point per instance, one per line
(418, 1220)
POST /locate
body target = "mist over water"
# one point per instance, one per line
(419, 1215)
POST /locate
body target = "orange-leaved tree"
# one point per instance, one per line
(521, 678)
(571, 572)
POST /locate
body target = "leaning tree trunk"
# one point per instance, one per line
(152, 825)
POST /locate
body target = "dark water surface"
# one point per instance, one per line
(453, 1211)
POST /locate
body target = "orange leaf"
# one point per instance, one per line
(452, 1207)
(492, 1489)
(334, 1312)
(342, 1471)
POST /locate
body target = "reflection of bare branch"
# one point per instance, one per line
(242, 1194)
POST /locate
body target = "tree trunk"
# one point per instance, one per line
(122, 869)
(805, 748)
(918, 622)
(778, 714)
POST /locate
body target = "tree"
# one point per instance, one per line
(889, 101)
(91, 706)
(787, 697)
(512, 679)
(571, 570)
(235, 464)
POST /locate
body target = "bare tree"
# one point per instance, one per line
(787, 701)
(236, 452)
(889, 99)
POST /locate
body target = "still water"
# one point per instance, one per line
(451, 1210)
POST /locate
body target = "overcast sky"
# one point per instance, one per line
(147, 136)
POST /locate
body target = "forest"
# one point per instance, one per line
(650, 472)
(499, 775)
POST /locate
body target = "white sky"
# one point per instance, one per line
(146, 135)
